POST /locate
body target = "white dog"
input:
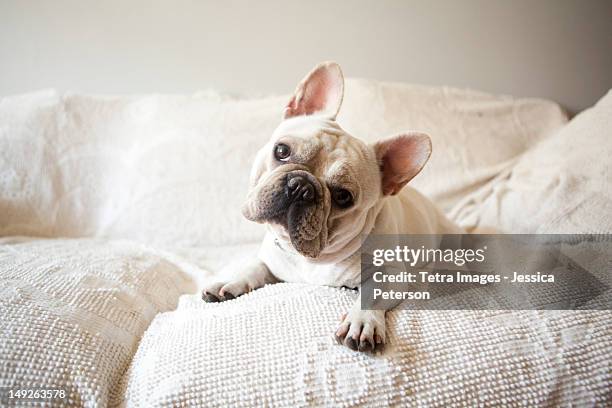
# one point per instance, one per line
(319, 190)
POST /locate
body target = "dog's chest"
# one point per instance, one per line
(291, 268)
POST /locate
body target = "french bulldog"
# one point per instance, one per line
(319, 191)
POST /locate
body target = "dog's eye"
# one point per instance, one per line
(282, 152)
(343, 198)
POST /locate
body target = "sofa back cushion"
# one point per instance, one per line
(475, 135)
(162, 169)
(173, 170)
(562, 185)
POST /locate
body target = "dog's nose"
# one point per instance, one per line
(300, 189)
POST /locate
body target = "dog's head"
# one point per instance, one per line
(315, 184)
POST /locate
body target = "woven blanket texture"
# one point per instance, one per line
(274, 347)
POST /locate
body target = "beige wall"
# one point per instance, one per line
(559, 49)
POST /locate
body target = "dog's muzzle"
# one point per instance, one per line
(295, 201)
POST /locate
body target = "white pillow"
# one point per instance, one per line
(563, 185)
(173, 170)
(73, 312)
(274, 347)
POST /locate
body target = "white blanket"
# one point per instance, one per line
(72, 313)
(274, 347)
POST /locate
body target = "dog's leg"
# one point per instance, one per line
(244, 278)
(362, 330)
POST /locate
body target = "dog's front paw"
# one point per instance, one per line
(219, 292)
(362, 330)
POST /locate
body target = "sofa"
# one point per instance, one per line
(115, 210)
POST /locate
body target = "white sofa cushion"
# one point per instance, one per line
(158, 169)
(562, 185)
(173, 170)
(73, 312)
(274, 347)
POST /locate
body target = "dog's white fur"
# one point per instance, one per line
(382, 211)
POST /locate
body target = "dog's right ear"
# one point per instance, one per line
(320, 92)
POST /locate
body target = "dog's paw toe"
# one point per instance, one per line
(211, 293)
(234, 289)
(209, 297)
(362, 331)
(379, 343)
(220, 292)
(366, 345)
(351, 343)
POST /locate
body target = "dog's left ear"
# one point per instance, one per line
(321, 91)
(401, 158)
